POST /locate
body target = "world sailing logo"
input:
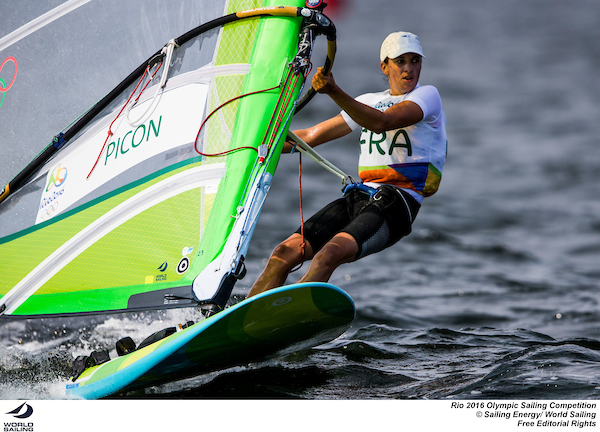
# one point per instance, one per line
(21, 412)
(16, 413)
(3, 86)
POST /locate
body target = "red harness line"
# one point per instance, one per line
(286, 99)
(217, 109)
(303, 244)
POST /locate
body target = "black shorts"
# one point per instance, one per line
(375, 222)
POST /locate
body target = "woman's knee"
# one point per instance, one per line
(293, 250)
(341, 249)
(284, 252)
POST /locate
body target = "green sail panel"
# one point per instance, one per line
(128, 215)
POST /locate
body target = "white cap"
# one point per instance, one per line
(400, 43)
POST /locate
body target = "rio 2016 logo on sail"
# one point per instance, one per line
(57, 177)
(49, 204)
(3, 86)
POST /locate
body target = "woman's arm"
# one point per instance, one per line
(323, 132)
(403, 114)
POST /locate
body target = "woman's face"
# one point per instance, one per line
(403, 72)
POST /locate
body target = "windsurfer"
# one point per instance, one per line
(403, 150)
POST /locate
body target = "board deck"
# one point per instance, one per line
(248, 331)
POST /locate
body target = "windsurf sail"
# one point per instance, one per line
(149, 199)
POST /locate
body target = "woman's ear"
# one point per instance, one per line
(384, 67)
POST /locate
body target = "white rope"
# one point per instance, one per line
(168, 51)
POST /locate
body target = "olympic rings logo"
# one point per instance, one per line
(3, 87)
(49, 211)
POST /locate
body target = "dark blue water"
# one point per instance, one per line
(496, 292)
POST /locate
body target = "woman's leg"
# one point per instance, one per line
(342, 248)
(286, 256)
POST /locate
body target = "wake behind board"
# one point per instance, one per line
(249, 331)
